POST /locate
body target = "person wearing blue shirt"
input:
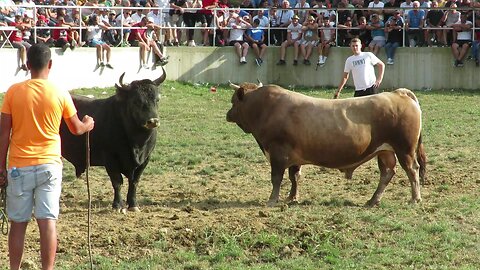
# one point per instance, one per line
(256, 39)
(414, 25)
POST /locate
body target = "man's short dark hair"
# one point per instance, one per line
(38, 56)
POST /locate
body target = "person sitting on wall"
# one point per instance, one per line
(94, 39)
(143, 35)
(16, 38)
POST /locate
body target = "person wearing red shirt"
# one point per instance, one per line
(60, 35)
(143, 35)
(206, 17)
(16, 38)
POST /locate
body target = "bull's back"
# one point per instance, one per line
(333, 133)
(74, 147)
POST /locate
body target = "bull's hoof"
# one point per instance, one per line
(134, 209)
(272, 203)
(415, 201)
(292, 200)
(372, 203)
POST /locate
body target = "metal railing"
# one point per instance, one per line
(88, 10)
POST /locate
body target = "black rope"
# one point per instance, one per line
(3, 210)
(89, 201)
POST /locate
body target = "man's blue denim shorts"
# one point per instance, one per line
(35, 188)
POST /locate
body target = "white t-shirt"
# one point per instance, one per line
(295, 30)
(465, 35)
(362, 69)
(264, 21)
(94, 32)
(236, 34)
(372, 4)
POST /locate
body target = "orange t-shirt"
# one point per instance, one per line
(37, 108)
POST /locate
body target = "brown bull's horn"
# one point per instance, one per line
(233, 86)
(260, 84)
(162, 78)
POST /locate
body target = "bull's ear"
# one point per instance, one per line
(240, 93)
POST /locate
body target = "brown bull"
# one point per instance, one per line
(293, 129)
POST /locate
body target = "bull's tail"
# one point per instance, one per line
(407, 92)
(422, 161)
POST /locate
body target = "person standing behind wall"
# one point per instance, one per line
(361, 65)
(29, 131)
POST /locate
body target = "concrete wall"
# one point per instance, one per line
(415, 68)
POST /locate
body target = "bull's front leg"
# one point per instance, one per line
(276, 177)
(294, 174)
(132, 187)
(132, 195)
(117, 181)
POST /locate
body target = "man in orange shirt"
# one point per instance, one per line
(29, 125)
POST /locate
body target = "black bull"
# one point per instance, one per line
(293, 129)
(123, 138)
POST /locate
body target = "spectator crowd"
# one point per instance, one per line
(310, 27)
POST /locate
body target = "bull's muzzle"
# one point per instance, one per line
(152, 123)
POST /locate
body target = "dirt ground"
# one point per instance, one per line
(177, 209)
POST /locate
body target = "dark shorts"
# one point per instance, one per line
(462, 42)
(259, 44)
(232, 43)
(206, 19)
(366, 92)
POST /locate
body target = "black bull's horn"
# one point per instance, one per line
(158, 81)
(161, 78)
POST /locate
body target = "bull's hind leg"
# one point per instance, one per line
(386, 164)
(117, 181)
(410, 164)
(294, 173)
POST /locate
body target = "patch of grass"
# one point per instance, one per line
(203, 199)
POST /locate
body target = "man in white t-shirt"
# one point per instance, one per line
(294, 36)
(361, 64)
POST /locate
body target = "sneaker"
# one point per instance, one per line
(109, 66)
(389, 61)
(455, 64)
(281, 62)
(145, 66)
(24, 67)
(191, 43)
(162, 62)
(257, 61)
(176, 44)
(73, 45)
(322, 60)
(460, 63)
(243, 60)
(261, 60)
(306, 62)
(295, 62)
(102, 64)
(65, 46)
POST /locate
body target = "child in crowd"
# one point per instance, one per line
(256, 38)
(94, 39)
